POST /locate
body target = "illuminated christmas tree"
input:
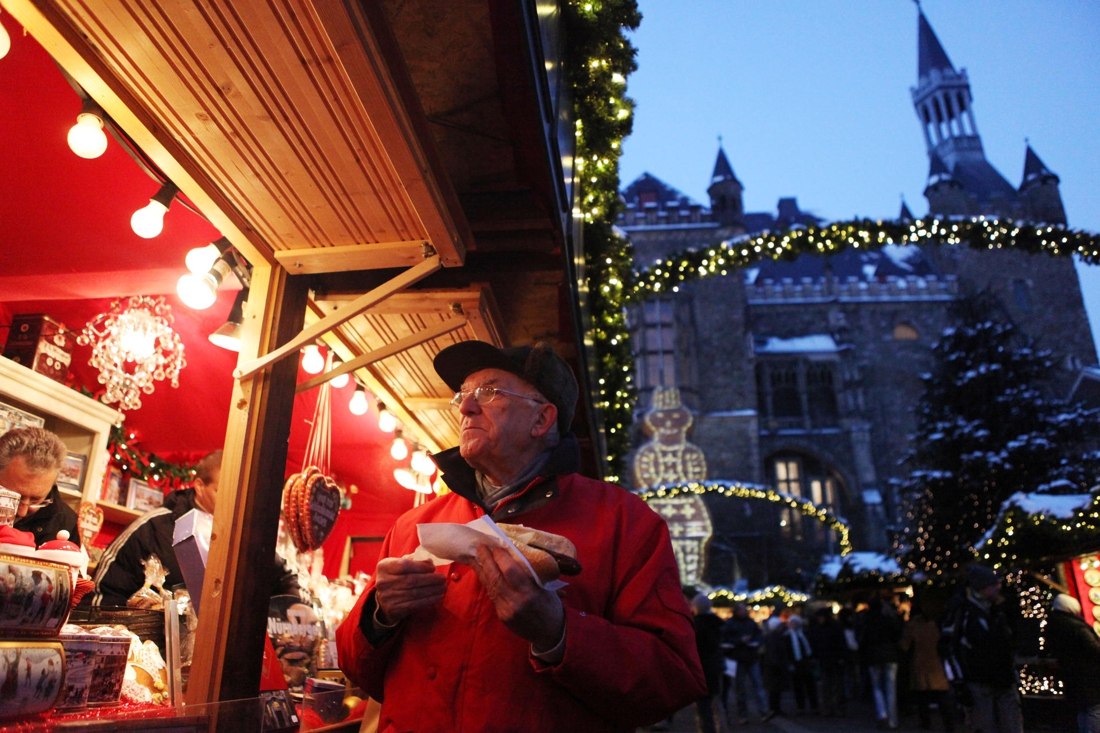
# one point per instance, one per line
(987, 428)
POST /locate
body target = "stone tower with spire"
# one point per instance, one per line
(726, 203)
(961, 182)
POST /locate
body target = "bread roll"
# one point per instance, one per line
(550, 555)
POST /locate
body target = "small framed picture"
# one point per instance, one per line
(112, 485)
(71, 476)
(143, 497)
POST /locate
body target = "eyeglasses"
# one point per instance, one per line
(36, 507)
(485, 394)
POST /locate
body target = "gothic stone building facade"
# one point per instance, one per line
(804, 375)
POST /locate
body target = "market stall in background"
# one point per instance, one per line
(260, 250)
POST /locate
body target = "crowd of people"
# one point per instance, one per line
(957, 660)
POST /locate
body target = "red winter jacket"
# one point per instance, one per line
(630, 657)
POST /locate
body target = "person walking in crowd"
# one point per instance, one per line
(708, 641)
(879, 635)
(800, 665)
(826, 637)
(921, 638)
(743, 641)
(980, 640)
(1071, 641)
(775, 662)
(483, 646)
(30, 460)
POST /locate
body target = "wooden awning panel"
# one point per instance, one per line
(407, 382)
(293, 111)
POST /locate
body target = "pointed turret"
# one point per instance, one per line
(943, 104)
(930, 54)
(725, 190)
(906, 214)
(723, 171)
(1039, 193)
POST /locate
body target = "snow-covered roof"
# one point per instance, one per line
(812, 344)
(859, 563)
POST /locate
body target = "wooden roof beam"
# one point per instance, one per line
(345, 258)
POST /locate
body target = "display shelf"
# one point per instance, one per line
(82, 423)
(116, 513)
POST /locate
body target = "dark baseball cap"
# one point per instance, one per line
(538, 365)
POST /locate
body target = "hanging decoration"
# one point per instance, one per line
(149, 467)
(133, 346)
(311, 499)
(725, 596)
(754, 491)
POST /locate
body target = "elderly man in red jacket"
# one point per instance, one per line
(484, 647)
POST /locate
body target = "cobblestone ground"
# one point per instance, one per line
(1040, 716)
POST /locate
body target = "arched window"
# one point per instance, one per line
(806, 477)
(905, 332)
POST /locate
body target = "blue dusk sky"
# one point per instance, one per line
(812, 100)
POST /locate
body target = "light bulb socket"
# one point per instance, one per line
(236, 313)
(91, 107)
(165, 195)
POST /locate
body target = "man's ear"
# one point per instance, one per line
(547, 416)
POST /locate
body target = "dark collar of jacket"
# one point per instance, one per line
(460, 478)
(180, 502)
(49, 519)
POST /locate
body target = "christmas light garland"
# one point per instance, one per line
(755, 491)
(150, 467)
(760, 596)
(1021, 539)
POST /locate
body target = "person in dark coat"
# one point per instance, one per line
(879, 638)
(30, 460)
(981, 641)
(775, 662)
(927, 679)
(708, 642)
(1071, 641)
(120, 572)
(743, 641)
(826, 636)
(800, 664)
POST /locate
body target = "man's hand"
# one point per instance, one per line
(403, 586)
(523, 606)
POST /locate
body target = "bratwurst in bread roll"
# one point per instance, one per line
(551, 555)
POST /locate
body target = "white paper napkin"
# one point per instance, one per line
(446, 542)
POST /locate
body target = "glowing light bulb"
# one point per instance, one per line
(342, 381)
(86, 137)
(197, 291)
(406, 478)
(399, 451)
(421, 463)
(312, 361)
(358, 404)
(5, 41)
(387, 423)
(148, 221)
(200, 259)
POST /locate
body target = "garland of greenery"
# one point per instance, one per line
(149, 467)
(600, 60)
(755, 491)
(762, 596)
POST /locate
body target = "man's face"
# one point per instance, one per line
(33, 486)
(502, 428)
(991, 591)
(207, 493)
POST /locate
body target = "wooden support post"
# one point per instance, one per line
(405, 279)
(240, 566)
(385, 352)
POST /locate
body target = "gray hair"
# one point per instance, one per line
(1067, 603)
(40, 449)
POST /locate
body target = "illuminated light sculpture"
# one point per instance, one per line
(668, 457)
(133, 346)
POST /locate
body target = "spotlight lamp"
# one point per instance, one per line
(399, 451)
(228, 335)
(201, 291)
(86, 137)
(312, 361)
(387, 423)
(359, 404)
(148, 222)
(5, 41)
